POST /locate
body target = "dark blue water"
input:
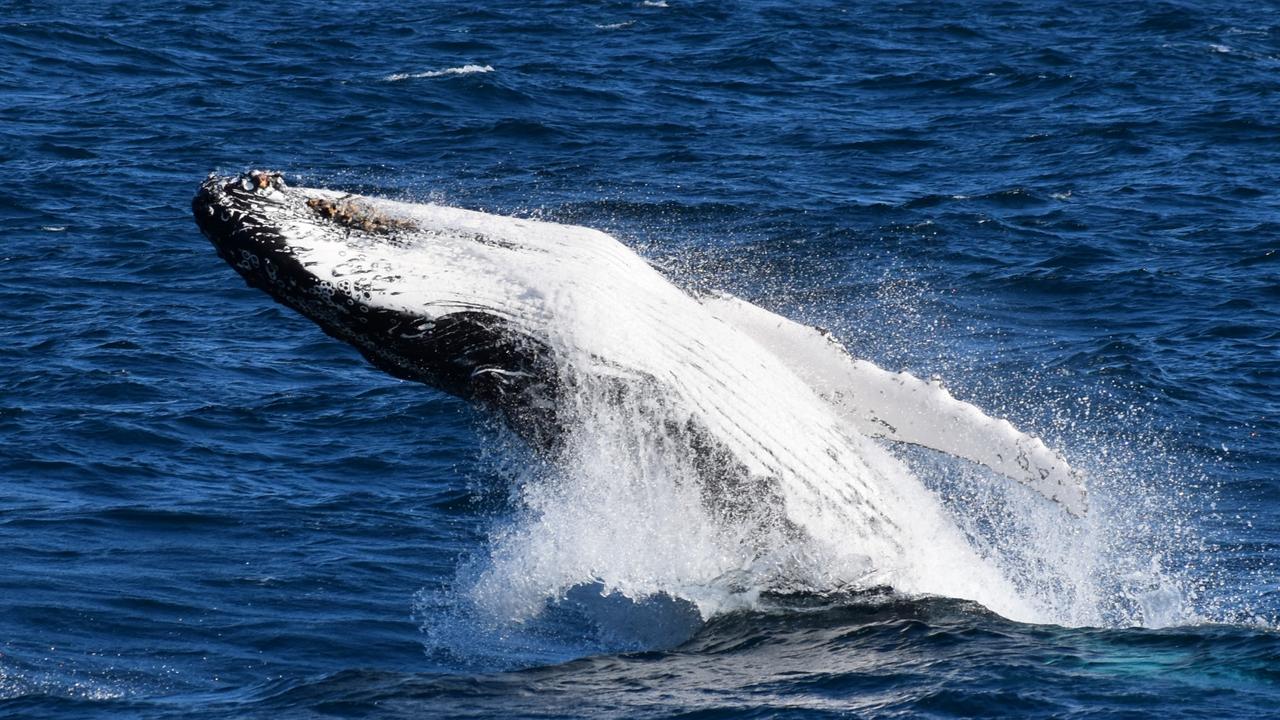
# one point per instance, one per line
(208, 508)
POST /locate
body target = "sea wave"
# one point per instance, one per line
(461, 70)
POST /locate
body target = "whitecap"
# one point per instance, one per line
(462, 70)
(616, 26)
(655, 3)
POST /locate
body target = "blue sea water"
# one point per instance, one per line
(210, 509)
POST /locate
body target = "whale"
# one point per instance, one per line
(542, 324)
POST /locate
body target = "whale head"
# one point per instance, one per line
(277, 236)
(370, 274)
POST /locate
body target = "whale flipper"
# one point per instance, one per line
(901, 406)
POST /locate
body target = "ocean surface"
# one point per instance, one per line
(1067, 211)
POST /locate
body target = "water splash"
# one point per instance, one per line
(622, 521)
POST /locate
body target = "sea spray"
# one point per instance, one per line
(623, 515)
(626, 511)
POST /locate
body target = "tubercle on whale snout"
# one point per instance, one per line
(247, 183)
(255, 180)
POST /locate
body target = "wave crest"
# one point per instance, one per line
(461, 70)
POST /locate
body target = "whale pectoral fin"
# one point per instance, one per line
(902, 407)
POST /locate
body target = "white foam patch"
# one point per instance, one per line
(462, 70)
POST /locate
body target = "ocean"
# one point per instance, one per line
(1066, 212)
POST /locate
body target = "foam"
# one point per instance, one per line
(461, 70)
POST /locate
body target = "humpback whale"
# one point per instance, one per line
(522, 317)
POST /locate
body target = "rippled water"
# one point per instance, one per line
(207, 507)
